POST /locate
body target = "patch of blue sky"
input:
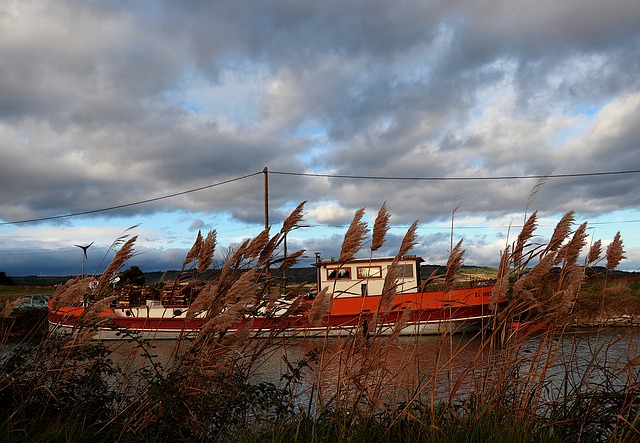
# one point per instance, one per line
(193, 107)
(311, 130)
(590, 110)
(318, 138)
(583, 116)
(626, 221)
(178, 228)
(235, 96)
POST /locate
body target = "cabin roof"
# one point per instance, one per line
(359, 261)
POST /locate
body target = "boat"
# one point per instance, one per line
(355, 303)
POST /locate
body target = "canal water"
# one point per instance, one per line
(436, 367)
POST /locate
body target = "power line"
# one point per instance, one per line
(126, 205)
(503, 177)
(308, 174)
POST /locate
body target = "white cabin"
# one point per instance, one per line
(362, 277)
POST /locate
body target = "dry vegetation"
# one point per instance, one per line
(515, 385)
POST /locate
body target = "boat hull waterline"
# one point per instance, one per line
(437, 312)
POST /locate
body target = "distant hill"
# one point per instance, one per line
(308, 275)
(294, 276)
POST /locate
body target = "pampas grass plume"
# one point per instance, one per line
(205, 256)
(293, 219)
(615, 252)
(320, 307)
(203, 301)
(194, 252)
(453, 265)
(72, 292)
(561, 231)
(409, 240)
(570, 252)
(123, 254)
(389, 286)
(380, 228)
(594, 252)
(257, 244)
(523, 238)
(354, 237)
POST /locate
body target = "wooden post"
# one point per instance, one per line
(265, 171)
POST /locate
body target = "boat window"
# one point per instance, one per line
(405, 271)
(369, 271)
(338, 273)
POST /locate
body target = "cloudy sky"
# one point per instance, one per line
(459, 105)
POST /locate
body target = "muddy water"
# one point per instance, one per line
(431, 366)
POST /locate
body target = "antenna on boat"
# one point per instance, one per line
(84, 255)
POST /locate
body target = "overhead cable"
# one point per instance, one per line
(309, 174)
(126, 205)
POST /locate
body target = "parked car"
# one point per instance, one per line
(33, 301)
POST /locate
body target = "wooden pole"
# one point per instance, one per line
(265, 171)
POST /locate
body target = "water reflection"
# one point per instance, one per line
(426, 367)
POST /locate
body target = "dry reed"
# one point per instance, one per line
(389, 287)
(594, 253)
(354, 237)
(257, 245)
(570, 252)
(453, 265)
(205, 254)
(380, 228)
(561, 231)
(294, 219)
(194, 252)
(204, 300)
(524, 236)
(615, 253)
(121, 257)
(409, 240)
(320, 307)
(74, 291)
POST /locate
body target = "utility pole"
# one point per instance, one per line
(265, 171)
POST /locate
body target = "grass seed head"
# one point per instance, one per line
(320, 307)
(525, 235)
(293, 219)
(123, 254)
(594, 253)
(354, 237)
(389, 287)
(380, 228)
(409, 240)
(561, 232)
(205, 256)
(194, 252)
(570, 252)
(453, 265)
(615, 252)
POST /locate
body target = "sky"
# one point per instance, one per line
(161, 115)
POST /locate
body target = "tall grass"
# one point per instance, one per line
(525, 384)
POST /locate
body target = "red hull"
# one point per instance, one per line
(429, 313)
